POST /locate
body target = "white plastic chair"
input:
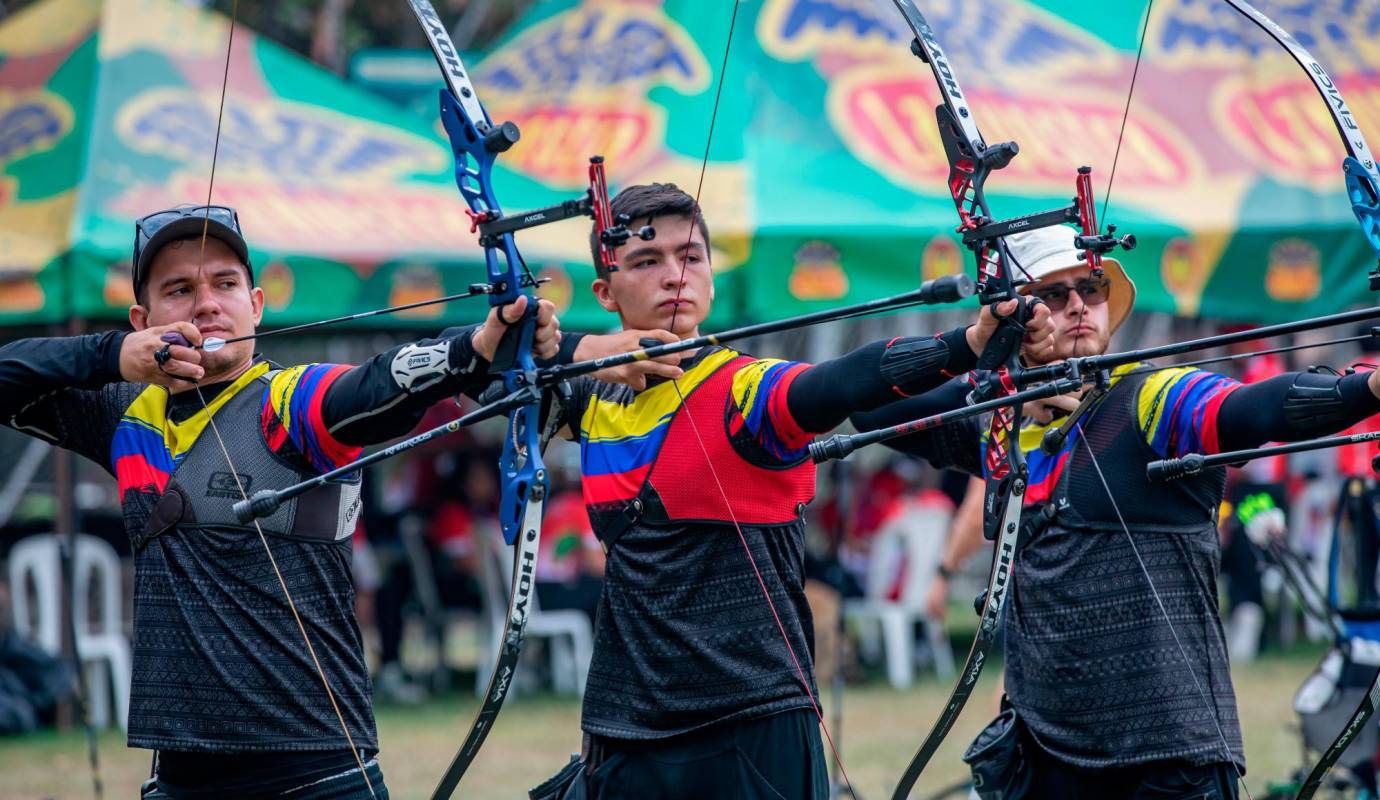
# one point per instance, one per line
(569, 636)
(35, 562)
(105, 652)
(913, 540)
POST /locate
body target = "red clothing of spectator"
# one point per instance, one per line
(567, 541)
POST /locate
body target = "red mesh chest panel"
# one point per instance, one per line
(760, 495)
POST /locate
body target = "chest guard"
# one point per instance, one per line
(680, 487)
(202, 491)
(1112, 430)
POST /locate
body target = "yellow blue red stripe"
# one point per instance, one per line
(292, 412)
(620, 441)
(759, 390)
(147, 446)
(1176, 408)
(1044, 469)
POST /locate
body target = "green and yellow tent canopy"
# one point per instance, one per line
(823, 179)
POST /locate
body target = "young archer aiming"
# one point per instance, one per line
(696, 484)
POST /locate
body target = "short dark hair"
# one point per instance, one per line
(649, 201)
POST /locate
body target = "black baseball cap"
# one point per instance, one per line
(153, 231)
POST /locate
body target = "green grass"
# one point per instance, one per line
(536, 733)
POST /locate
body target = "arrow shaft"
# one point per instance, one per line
(940, 290)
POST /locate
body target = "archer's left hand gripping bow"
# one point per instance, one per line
(476, 142)
(971, 160)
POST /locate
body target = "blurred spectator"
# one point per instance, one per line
(570, 566)
(421, 522)
(1358, 499)
(965, 540)
(32, 683)
(1259, 483)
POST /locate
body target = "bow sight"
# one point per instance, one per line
(971, 160)
(612, 232)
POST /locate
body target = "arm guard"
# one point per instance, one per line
(911, 363)
(1314, 406)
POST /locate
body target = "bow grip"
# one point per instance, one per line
(510, 345)
(1006, 339)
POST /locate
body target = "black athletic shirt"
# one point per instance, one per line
(68, 391)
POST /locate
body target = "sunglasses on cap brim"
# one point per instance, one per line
(147, 227)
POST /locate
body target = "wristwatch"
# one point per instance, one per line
(944, 572)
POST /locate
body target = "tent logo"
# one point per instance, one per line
(558, 83)
(941, 257)
(1184, 270)
(818, 273)
(570, 52)
(277, 282)
(1295, 271)
(1263, 120)
(279, 138)
(415, 282)
(31, 122)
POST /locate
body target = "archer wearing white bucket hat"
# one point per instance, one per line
(1087, 311)
(1147, 707)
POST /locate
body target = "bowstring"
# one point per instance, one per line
(1120, 138)
(1111, 179)
(694, 427)
(215, 430)
(1126, 109)
(292, 604)
(1204, 699)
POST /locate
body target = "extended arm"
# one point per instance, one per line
(387, 395)
(1185, 411)
(33, 368)
(875, 375)
(1293, 407)
(957, 445)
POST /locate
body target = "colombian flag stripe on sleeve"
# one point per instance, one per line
(293, 401)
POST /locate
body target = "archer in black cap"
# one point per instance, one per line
(155, 230)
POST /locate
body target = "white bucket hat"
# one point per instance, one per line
(1044, 251)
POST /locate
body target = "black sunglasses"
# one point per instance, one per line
(1093, 291)
(145, 228)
